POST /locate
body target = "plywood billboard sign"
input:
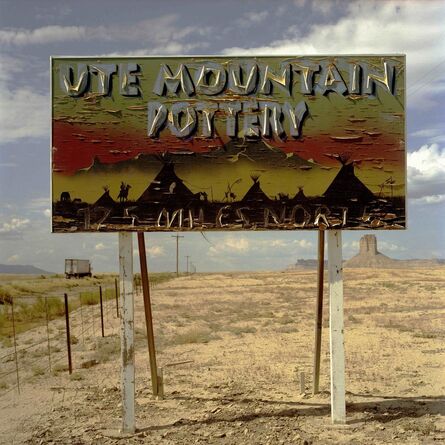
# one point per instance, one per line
(228, 143)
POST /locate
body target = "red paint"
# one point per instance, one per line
(75, 146)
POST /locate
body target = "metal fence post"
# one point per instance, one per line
(68, 337)
(101, 311)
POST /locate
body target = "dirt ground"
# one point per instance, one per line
(245, 339)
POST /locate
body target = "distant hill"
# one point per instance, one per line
(22, 269)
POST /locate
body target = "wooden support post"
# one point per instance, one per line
(318, 313)
(148, 314)
(335, 266)
(127, 331)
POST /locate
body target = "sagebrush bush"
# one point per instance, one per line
(5, 295)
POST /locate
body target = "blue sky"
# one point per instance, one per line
(32, 31)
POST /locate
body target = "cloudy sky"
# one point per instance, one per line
(32, 31)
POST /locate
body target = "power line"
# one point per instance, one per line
(425, 83)
(177, 252)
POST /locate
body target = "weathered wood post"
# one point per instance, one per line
(318, 313)
(148, 313)
(127, 331)
(335, 266)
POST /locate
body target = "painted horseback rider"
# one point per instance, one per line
(123, 194)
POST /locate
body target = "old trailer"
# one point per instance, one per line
(75, 268)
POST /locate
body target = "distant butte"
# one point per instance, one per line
(370, 257)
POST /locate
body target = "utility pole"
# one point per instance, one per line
(187, 256)
(177, 252)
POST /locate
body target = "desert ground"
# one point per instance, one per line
(232, 347)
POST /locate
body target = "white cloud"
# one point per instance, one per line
(245, 246)
(304, 244)
(277, 243)
(351, 245)
(43, 35)
(426, 174)
(390, 247)
(157, 30)
(323, 6)
(100, 246)
(230, 244)
(155, 251)
(166, 48)
(13, 259)
(47, 213)
(24, 112)
(431, 199)
(252, 18)
(39, 203)
(13, 229)
(427, 133)
(375, 27)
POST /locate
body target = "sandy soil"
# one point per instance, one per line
(247, 338)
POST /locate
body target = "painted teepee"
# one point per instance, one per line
(255, 195)
(346, 186)
(166, 188)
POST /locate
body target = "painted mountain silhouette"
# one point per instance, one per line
(257, 152)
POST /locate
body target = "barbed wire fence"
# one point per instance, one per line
(39, 333)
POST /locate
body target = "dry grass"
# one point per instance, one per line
(245, 350)
(34, 296)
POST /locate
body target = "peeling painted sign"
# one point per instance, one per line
(228, 143)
